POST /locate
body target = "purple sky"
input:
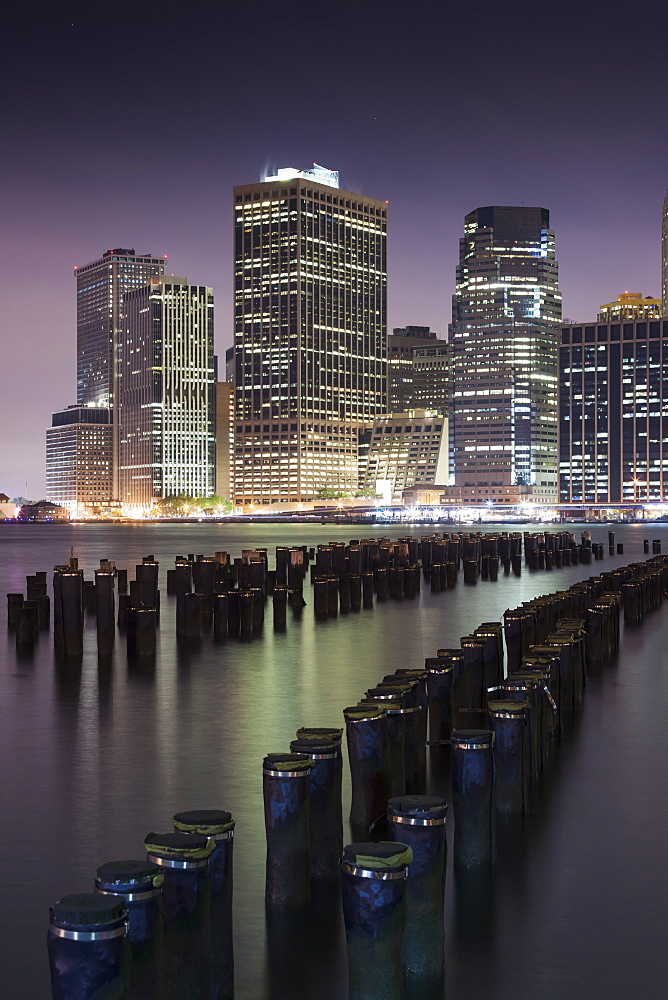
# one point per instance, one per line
(128, 126)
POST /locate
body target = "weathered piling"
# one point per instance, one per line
(373, 882)
(507, 722)
(246, 602)
(88, 951)
(280, 607)
(191, 626)
(325, 806)
(218, 826)
(286, 819)
(418, 821)
(367, 590)
(139, 885)
(440, 676)
(71, 606)
(220, 616)
(27, 627)
(321, 598)
(105, 613)
(368, 756)
(14, 605)
(183, 858)
(396, 721)
(472, 795)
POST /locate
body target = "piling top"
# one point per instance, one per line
(473, 737)
(385, 693)
(128, 873)
(422, 810)
(384, 857)
(502, 708)
(311, 733)
(208, 822)
(89, 910)
(316, 748)
(179, 846)
(417, 672)
(287, 762)
(363, 713)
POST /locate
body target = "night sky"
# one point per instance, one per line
(126, 125)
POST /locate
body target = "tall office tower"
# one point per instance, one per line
(166, 391)
(401, 346)
(309, 332)
(79, 458)
(506, 311)
(629, 305)
(664, 256)
(100, 289)
(613, 412)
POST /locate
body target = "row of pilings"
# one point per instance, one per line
(228, 597)
(161, 927)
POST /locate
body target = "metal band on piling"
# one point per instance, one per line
(61, 932)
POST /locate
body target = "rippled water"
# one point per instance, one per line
(94, 759)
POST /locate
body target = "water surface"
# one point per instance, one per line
(92, 759)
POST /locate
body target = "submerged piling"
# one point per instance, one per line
(373, 884)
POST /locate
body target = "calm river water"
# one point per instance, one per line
(93, 759)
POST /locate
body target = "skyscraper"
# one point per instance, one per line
(166, 391)
(401, 347)
(310, 280)
(613, 412)
(664, 256)
(100, 289)
(503, 338)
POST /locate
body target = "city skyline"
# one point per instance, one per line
(89, 167)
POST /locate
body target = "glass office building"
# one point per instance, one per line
(613, 412)
(503, 344)
(167, 392)
(310, 328)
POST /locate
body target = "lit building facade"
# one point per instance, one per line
(613, 412)
(224, 440)
(166, 392)
(310, 332)
(403, 449)
(431, 377)
(664, 256)
(401, 347)
(100, 289)
(79, 456)
(503, 342)
(629, 306)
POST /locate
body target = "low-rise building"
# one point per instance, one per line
(79, 458)
(43, 511)
(402, 449)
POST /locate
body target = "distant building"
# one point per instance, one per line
(79, 458)
(613, 412)
(403, 449)
(664, 256)
(166, 397)
(629, 306)
(100, 289)
(503, 340)
(43, 511)
(401, 348)
(224, 440)
(431, 377)
(229, 365)
(7, 507)
(310, 277)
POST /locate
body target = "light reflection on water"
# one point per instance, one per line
(93, 758)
